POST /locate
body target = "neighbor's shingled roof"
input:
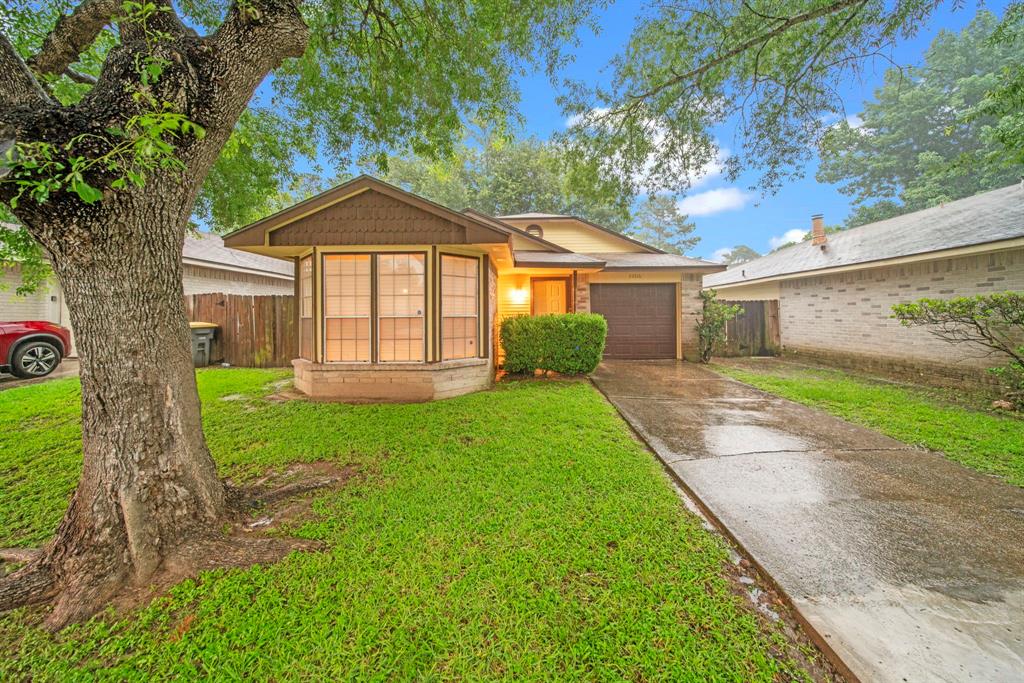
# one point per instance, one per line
(209, 250)
(992, 216)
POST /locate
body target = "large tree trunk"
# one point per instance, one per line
(148, 483)
(149, 488)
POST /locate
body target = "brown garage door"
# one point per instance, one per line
(641, 319)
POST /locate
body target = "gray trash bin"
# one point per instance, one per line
(202, 343)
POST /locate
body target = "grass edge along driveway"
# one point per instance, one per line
(519, 533)
(986, 442)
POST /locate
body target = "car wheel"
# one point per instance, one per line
(35, 359)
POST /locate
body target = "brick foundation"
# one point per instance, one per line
(392, 383)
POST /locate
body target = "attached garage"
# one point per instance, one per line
(641, 319)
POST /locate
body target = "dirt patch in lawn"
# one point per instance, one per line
(255, 534)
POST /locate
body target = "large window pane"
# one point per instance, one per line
(459, 307)
(306, 308)
(347, 307)
(401, 288)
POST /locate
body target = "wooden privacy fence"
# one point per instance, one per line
(253, 331)
(755, 332)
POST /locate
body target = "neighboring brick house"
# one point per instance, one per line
(209, 268)
(835, 292)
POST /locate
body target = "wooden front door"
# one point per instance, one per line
(550, 295)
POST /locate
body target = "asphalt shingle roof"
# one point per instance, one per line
(987, 217)
(211, 249)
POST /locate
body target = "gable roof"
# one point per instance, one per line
(208, 250)
(367, 207)
(614, 233)
(989, 217)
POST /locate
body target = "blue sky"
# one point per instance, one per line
(760, 219)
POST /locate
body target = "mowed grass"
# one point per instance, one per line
(986, 442)
(514, 534)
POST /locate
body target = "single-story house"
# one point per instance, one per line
(209, 268)
(400, 297)
(835, 292)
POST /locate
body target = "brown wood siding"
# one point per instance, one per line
(641, 319)
(373, 218)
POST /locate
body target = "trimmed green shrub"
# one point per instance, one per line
(569, 343)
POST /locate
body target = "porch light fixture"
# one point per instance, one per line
(518, 296)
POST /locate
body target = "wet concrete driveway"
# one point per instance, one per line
(910, 567)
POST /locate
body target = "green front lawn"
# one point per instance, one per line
(989, 443)
(519, 533)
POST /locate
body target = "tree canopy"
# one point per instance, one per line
(926, 138)
(376, 76)
(772, 68)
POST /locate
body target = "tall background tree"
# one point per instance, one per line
(503, 175)
(660, 223)
(770, 68)
(923, 140)
(112, 116)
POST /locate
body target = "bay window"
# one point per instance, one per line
(375, 307)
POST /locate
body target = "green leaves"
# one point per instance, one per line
(500, 175)
(569, 343)
(711, 324)
(930, 135)
(660, 224)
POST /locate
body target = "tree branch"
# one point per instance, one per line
(72, 35)
(17, 84)
(79, 77)
(774, 32)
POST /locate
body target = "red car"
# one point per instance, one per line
(32, 348)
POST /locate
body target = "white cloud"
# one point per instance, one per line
(718, 255)
(854, 121)
(794, 235)
(714, 201)
(577, 119)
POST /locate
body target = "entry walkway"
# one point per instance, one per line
(909, 566)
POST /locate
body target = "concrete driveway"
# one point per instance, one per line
(910, 567)
(67, 368)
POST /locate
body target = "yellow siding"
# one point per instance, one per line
(513, 295)
(577, 236)
(762, 291)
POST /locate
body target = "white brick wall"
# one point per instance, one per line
(849, 313)
(35, 306)
(199, 280)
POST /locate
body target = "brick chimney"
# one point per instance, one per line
(818, 237)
